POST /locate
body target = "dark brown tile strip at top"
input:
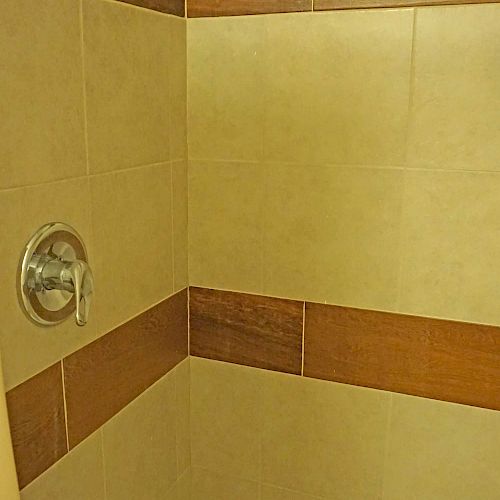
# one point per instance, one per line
(214, 8)
(106, 375)
(251, 330)
(437, 359)
(370, 4)
(175, 7)
(36, 416)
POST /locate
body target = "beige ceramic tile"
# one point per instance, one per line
(77, 476)
(26, 347)
(183, 486)
(183, 409)
(126, 52)
(332, 234)
(211, 486)
(225, 418)
(132, 227)
(451, 245)
(456, 102)
(178, 89)
(323, 438)
(42, 130)
(180, 223)
(225, 79)
(274, 493)
(442, 451)
(140, 445)
(225, 211)
(337, 86)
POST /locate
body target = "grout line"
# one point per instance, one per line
(303, 336)
(189, 319)
(411, 85)
(172, 223)
(65, 405)
(103, 455)
(85, 120)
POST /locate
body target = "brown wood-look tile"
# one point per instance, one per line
(214, 8)
(437, 359)
(370, 4)
(175, 7)
(38, 430)
(251, 330)
(106, 375)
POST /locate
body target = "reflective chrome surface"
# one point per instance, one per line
(55, 277)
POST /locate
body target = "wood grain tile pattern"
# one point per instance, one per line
(369, 4)
(103, 377)
(437, 359)
(36, 416)
(251, 330)
(214, 8)
(175, 7)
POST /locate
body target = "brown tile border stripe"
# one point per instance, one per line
(437, 359)
(175, 7)
(36, 416)
(104, 376)
(374, 4)
(215, 8)
(251, 330)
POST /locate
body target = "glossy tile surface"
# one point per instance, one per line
(441, 450)
(132, 228)
(42, 128)
(225, 102)
(332, 234)
(456, 101)
(126, 54)
(225, 418)
(451, 245)
(337, 87)
(180, 223)
(79, 475)
(144, 465)
(225, 211)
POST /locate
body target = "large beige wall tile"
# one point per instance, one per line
(225, 418)
(208, 485)
(42, 127)
(180, 223)
(78, 475)
(126, 54)
(456, 100)
(337, 87)
(442, 451)
(183, 417)
(451, 245)
(132, 229)
(178, 89)
(323, 438)
(140, 445)
(274, 493)
(225, 211)
(183, 486)
(332, 234)
(26, 347)
(225, 79)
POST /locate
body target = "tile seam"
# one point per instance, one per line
(64, 405)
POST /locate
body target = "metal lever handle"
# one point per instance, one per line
(75, 277)
(83, 285)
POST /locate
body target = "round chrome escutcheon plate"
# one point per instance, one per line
(48, 307)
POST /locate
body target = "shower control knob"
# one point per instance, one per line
(56, 279)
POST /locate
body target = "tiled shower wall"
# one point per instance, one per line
(349, 157)
(94, 134)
